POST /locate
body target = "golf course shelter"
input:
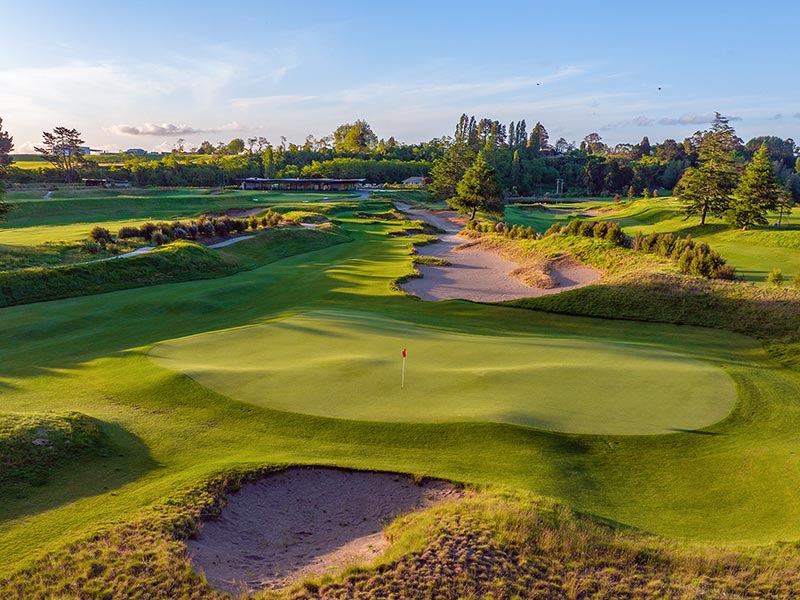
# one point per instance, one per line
(301, 185)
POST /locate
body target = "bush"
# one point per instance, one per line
(599, 229)
(147, 230)
(586, 229)
(573, 227)
(101, 235)
(775, 277)
(159, 238)
(725, 272)
(614, 234)
(554, 229)
(92, 247)
(125, 233)
(796, 281)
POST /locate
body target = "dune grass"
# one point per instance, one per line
(733, 481)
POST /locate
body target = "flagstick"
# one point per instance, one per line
(403, 376)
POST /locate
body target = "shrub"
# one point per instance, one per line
(685, 260)
(147, 230)
(159, 238)
(573, 227)
(92, 247)
(500, 227)
(649, 242)
(796, 281)
(725, 272)
(101, 235)
(586, 229)
(599, 229)
(179, 233)
(238, 225)
(637, 241)
(664, 245)
(614, 234)
(554, 229)
(222, 227)
(775, 277)
(125, 233)
(253, 222)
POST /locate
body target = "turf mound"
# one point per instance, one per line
(303, 523)
(32, 444)
(347, 365)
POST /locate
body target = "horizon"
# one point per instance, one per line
(193, 72)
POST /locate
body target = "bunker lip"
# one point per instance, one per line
(306, 522)
(480, 275)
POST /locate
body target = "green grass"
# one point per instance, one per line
(733, 481)
(345, 365)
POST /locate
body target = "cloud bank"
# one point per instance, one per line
(170, 129)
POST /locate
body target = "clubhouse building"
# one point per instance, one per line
(301, 185)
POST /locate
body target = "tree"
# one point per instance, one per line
(6, 146)
(448, 170)
(63, 149)
(539, 138)
(706, 189)
(354, 138)
(785, 204)
(756, 194)
(235, 146)
(479, 189)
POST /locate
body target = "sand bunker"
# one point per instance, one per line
(305, 522)
(480, 275)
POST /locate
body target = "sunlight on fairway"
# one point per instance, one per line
(348, 366)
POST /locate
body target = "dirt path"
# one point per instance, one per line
(235, 240)
(479, 275)
(305, 522)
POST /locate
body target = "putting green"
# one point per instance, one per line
(348, 365)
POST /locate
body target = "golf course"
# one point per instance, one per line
(673, 435)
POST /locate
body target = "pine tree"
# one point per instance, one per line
(448, 170)
(6, 146)
(479, 189)
(63, 148)
(757, 193)
(785, 203)
(706, 189)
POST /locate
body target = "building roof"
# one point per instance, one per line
(304, 180)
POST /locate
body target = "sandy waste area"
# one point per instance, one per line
(305, 522)
(477, 274)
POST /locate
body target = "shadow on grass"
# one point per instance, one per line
(694, 431)
(124, 459)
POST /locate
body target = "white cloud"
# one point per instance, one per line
(169, 129)
(690, 119)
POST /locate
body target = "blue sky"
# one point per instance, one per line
(144, 74)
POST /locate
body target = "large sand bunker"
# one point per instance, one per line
(305, 522)
(477, 274)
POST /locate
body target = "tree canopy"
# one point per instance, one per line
(757, 193)
(63, 148)
(479, 189)
(6, 146)
(706, 189)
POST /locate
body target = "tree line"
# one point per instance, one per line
(527, 162)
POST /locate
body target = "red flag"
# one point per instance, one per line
(404, 352)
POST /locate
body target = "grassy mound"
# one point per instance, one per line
(32, 444)
(179, 261)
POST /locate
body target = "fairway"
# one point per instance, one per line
(347, 365)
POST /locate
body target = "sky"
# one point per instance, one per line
(144, 74)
